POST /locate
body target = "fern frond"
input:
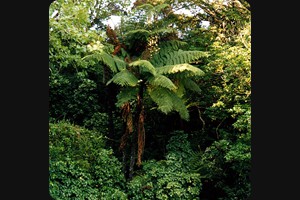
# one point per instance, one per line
(124, 78)
(137, 34)
(172, 45)
(173, 69)
(121, 64)
(163, 81)
(151, 8)
(163, 31)
(168, 101)
(109, 61)
(191, 85)
(126, 94)
(144, 65)
(168, 57)
(180, 89)
(103, 57)
(145, 6)
(160, 7)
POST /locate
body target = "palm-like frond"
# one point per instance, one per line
(180, 89)
(145, 6)
(163, 81)
(167, 57)
(150, 8)
(158, 8)
(126, 94)
(120, 64)
(171, 45)
(173, 69)
(137, 34)
(168, 101)
(124, 78)
(105, 58)
(163, 31)
(145, 66)
(191, 85)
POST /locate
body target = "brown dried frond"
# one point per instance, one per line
(111, 34)
(127, 117)
(117, 49)
(141, 138)
(124, 139)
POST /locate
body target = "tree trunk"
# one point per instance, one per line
(140, 124)
(132, 156)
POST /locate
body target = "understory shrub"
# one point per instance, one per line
(171, 178)
(80, 166)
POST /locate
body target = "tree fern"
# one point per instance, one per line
(191, 85)
(124, 78)
(160, 7)
(168, 101)
(173, 69)
(172, 45)
(120, 64)
(126, 94)
(163, 81)
(145, 6)
(180, 89)
(168, 57)
(104, 58)
(163, 31)
(137, 34)
(145, 66)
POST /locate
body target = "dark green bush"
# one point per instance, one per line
(226, 166)
(170, 178)
(80, 166)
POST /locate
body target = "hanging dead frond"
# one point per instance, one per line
(141, 137)
(127, 117)
(123, 141)
(112, 36)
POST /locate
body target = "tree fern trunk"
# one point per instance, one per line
(138, 136)
(132, 156)
(140, 124)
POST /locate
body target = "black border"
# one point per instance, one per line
(275, 102)
(24, 99)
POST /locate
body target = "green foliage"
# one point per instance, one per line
(74, 82)
(136, 41)
(168, 101)
(186, 69)
(170, 178)
(214, 63)
(236, 158)
(124, 78)
(98, 122)
(72, 96)
(191, 85)
(69, 181)
(163, 81)
(80, 167)
(168, 57)
(126, 94)
(101, 54)
(104, 58)
(144, 65)
(172, 45)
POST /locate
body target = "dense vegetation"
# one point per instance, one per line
(156, 107)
